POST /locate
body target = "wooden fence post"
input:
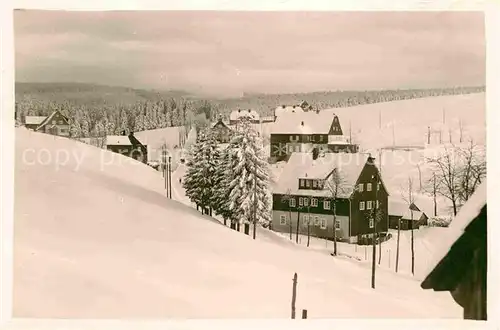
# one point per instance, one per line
(304, 313)
(294, 294)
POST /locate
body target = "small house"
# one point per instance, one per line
(221, 131)
(236, 115)
(461, 266)
(406, 216)
(128, 146)
(32, 122)
(55, 124)
(304, 194)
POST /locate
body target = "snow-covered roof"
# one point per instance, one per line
(237, 114)
(296, 123)
(118, 140)
(301, 165)
(34, 120)
(465, 216)
(398, 207)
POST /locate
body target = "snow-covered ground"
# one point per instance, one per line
(425, 246)
(95, 237)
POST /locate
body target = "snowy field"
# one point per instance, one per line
(426, 249)
(95, 237)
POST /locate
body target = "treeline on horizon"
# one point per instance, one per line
(97, 111)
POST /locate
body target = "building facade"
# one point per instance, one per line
(56, 124)
(304, 193)
(128, 146)
(308, 130)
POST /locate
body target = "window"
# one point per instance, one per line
(297, 148)
(296, 137)
(305, 219)
(315, 183)
(301, 201)
(360, 187)
(378, 186)
(323, 223)
(61, 122)
(326, 205)
(290, 148)
(308, 183)
(291, 202)
(369, 205)
(314, 202)
(282, 219)
(320, 138)
(53, 122)
(316, 220)
(306, 201)
(371, 223)
(368, 187)
(361, 206)
(301, 183)
(337, 224)
(378, 204)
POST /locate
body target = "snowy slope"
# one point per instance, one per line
(96, 237)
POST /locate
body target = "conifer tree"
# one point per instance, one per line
(248, 176)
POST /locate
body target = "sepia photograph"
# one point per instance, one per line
(250, 165)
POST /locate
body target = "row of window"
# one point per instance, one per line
(311, 138)
(60, 122)
(368, 205)
(304, 201)
(311, 183)
(310, 221)
(361, 187)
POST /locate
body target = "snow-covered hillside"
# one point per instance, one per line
(95, 237)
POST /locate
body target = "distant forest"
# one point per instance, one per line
(97, 111)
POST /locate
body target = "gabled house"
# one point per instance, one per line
(236, 115)
(128, 146)
(32, 122)
(56, 124)
(461, 266)
(304, 131)
(302, 194)
(222, 131)
(406, 216)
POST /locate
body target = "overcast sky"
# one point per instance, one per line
(232, 52)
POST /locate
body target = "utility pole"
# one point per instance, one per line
(380, 119)
(255, 200)
(374, 217)
(170, 176)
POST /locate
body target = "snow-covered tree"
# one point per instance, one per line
(249, 177)
(220, 198)
(201, 172)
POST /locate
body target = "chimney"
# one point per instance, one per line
(248, 110)
(283, 106)
(302, 123)
(239, 110)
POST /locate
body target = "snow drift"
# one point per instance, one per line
(95, 237)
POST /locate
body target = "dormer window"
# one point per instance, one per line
(315, 183)
(308, 183)
(301, 183)
(368, 187)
